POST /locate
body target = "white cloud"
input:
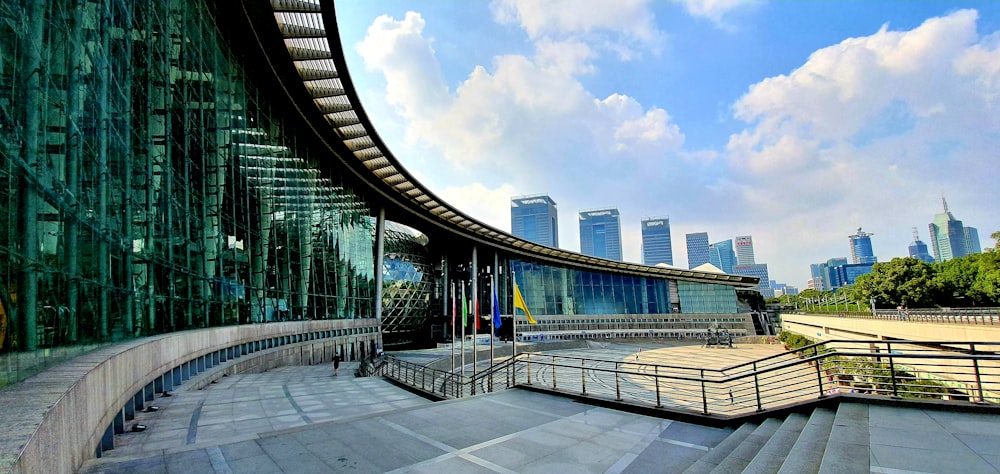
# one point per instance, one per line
(863, 131)
(714, 10)
(485, 204)
(571, 17)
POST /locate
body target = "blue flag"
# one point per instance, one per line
(496, 310)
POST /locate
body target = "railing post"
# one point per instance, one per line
(819, 376)
(528, 362)
(975, 367)
(423, 378)
(583, 376)
(756, 388)
(704, 396)
(656, 378)
(892, 369)
(553, 373)
(618, 385)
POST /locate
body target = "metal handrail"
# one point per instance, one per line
(936, 369)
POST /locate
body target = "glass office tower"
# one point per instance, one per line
(744, 250)
(600, 234)
(861, 247)
(948, 238)
(721, 255)
(535, 218)
(697, 249)
(656, 245)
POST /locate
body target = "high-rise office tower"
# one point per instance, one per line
(601, 233)
(972, 240)
(722, 256)
(697, 248)
(758, 270)
(744, 250)
(535, 218)
(821, 275)
(947, 236)
(656, 246)
(861, 247)
(918, 249)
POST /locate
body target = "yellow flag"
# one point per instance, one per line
(519, 303)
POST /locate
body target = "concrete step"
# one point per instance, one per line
(740, 457)
(771, 456)
(720, 451)
(849, 447)
(807, 452)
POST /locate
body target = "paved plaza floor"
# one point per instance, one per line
(302, 419)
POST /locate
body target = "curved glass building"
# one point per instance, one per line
(175, 165)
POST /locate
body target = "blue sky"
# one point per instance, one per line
(794, 122)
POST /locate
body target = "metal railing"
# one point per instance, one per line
(950, 371)
(964, 316)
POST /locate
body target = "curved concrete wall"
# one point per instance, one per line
(56, 420)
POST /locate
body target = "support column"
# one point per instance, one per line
(34, 17)
(379, 262)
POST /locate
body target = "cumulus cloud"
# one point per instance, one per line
(868, 127)
(714, 10)
(485, 204)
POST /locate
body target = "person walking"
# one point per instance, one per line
(336, 364)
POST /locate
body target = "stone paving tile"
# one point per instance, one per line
(249, 423)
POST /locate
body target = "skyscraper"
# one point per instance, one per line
(758, 270)
(972, 240)
(697, 248)
(918, 249)
(601, 233)
(656, 245)
(821, 276)
(722, 256)
(744, 250)
(948, 237)
(535, 218)
(861, 247)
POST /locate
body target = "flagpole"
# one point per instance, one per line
(493, 330)
(513, 339)
(453, 308)
(513, 314)
(475, 330)
(464, 318)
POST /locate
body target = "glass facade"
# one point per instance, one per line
(600, 234)
(656, 245)
(721, 255)
(757, 270)
(550, 290)
(148, 185)
(535, 218)
(697, 249)
(861, 247)
(407, 284)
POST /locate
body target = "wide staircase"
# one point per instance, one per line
(823, 441)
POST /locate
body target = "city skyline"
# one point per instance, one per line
(490, 100)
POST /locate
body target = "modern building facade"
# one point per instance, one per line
(861, 247)
(721, 255)
(189, 182)
(757, 270)
(744, 250)
(918, 249)
(948, 237)
(847, 274)
(601, 233)
(697, 249)
(535, 218)
(972, 240)
(821, 277)
(656, 244)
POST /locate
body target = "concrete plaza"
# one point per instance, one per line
(302, 419)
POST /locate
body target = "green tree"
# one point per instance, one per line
(986, 288)
(954, 281)
(902, 281)
(996, 237)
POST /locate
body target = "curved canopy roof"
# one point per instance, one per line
(311, 38)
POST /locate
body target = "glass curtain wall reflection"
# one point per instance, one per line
(550, 290)
(147, 185)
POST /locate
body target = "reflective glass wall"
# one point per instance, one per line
(550, 290)
(147, 185)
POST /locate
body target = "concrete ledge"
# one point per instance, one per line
(55, 420)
